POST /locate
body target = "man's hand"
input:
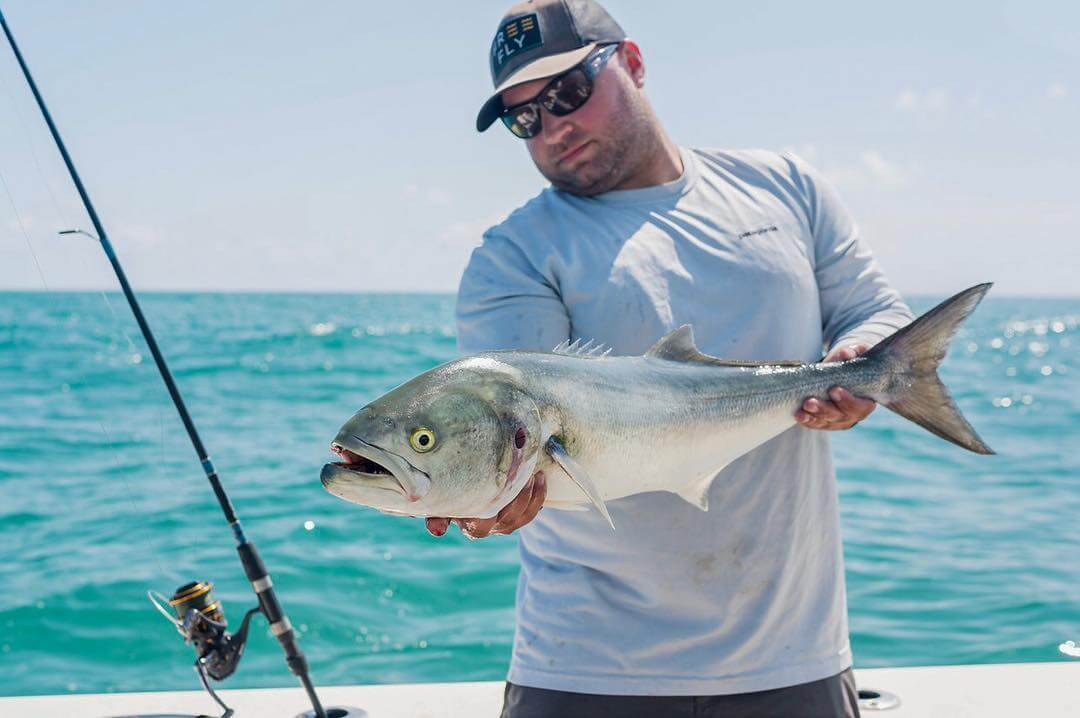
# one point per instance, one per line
(523, 509)
(845, 410)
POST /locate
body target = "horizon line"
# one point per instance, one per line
(429, 292)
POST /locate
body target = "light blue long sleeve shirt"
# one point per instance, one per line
(755, 251)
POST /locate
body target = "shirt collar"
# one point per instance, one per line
(657, 193)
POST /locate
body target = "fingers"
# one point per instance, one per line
(854, 408)
(523, 509)
(839, 354)
(822, 410)
(473, 528)
(811, 421)
(846, 352)
(476, 528)
(437, 525)
(841, 411)
(520, 512)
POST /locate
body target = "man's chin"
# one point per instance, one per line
(585, 181)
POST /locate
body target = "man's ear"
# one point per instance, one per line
(635, 63)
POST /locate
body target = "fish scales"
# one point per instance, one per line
(644, 419)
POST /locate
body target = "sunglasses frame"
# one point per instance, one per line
(591, 66)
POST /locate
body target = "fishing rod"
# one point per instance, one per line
(199, 617)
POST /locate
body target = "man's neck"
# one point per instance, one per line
(662, 165)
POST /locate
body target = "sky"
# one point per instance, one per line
(330, 146)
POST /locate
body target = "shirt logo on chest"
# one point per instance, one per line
(762, 230)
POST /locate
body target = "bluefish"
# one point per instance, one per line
(463, 438)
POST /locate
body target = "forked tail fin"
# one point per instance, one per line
(914, 354)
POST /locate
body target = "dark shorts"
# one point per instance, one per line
(833, 697)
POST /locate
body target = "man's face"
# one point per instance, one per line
(591, 150)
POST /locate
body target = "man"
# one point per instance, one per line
(739, 610)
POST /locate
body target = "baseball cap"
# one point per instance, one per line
(541, 38)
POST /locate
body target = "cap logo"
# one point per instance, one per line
(515, 36)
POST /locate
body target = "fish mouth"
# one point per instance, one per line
(365, 466)
(359, 464)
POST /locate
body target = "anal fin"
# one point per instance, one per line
(697, 493)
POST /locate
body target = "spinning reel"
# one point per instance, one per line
(200, 619)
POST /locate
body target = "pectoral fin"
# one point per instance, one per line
(578, 475)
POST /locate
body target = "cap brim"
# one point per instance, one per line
(536, 70)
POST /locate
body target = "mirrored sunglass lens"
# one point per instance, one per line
(523, 122)
(567, 93)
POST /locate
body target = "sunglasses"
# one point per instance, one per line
(564, 94)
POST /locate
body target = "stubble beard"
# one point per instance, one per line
(604, 171)
(615, 158)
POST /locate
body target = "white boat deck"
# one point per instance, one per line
(1047, 690)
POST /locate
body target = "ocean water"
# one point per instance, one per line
(951, 558)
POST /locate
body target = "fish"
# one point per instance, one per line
(462, 439)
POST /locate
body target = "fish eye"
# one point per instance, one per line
(422, 439)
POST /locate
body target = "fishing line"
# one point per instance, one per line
(118, 325)
(58, 213)
(131, 498)
(130, 494)
(139, 512)
(11, 198)
(33, 154)
(22, 228)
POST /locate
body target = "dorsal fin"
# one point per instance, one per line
(577, 349)
(679, 346)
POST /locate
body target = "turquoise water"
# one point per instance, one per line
(951, 558)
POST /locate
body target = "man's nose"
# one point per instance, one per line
(554, 129)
